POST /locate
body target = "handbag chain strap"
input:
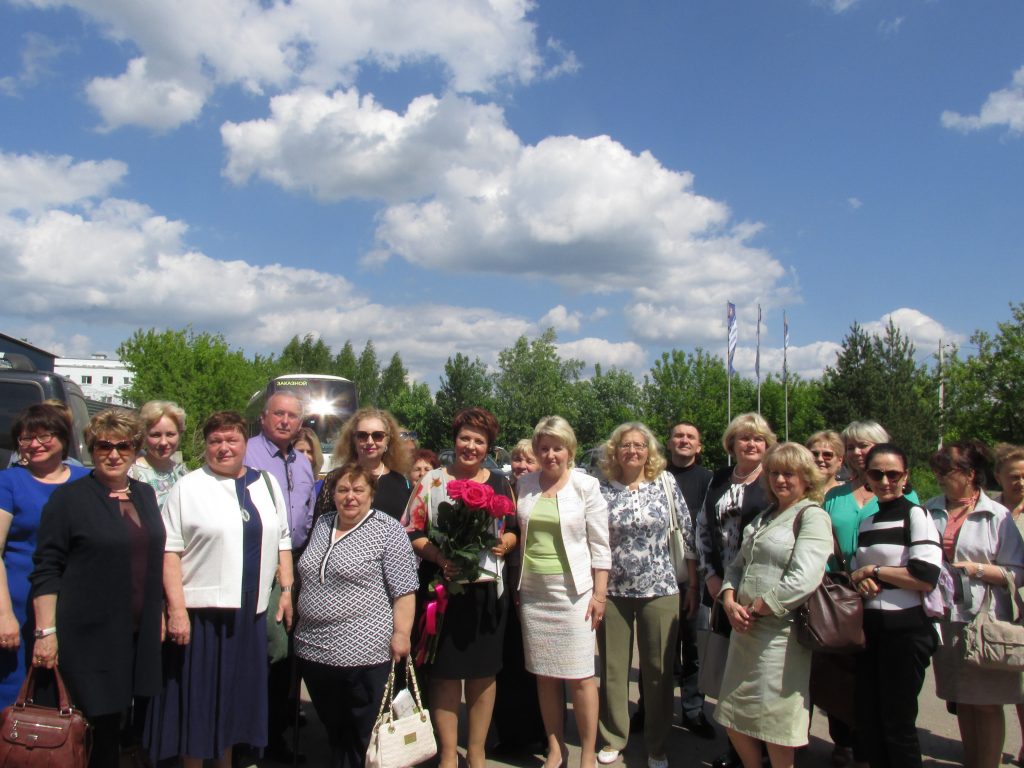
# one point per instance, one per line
(385, 714)
(385, 701)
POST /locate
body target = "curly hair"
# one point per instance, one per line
(752, 423)
(114, 423)
(610, 462)
(395, 458)
(792, 457)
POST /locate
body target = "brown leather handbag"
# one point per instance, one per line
(34, 736)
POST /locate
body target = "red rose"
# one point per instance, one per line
(501, 506)
(455, 489)
(476, 495)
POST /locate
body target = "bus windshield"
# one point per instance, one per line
(327, 401)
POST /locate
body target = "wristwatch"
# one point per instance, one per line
(876, 573)
(45, 632)
(979, 571)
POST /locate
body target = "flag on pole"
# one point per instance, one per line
(757, 354)
(785, 345)
(730, 315)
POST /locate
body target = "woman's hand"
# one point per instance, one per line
(739, 617)
(864, 581)
(401, 645)
(505, 544)
(44, 652)
(760, 608)
(179, 628)
(595, 611)
(448, 569)
(10, 632)
(285, 611)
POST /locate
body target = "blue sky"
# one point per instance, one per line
(444, 176)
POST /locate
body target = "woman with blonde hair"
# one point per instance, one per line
(828, 450)
(372, 438)
(564, 523)
(643, 593)
(734, 498)
(764, 695)
(163, 425)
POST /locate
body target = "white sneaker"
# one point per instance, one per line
(657, 762)
(607, 755)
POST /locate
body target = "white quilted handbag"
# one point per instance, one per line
(405, 741)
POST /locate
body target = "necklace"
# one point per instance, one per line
(742, 478)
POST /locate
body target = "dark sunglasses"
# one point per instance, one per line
(105, 446)
(826, 455)
(892, 475)
(377, 436)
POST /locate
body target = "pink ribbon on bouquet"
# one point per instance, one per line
(430, 623)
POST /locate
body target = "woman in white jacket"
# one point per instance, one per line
(564, 523)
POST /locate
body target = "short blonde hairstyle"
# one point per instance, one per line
(865, 432)
(792, 457)
(155, 410)
(829, 437)
(745, 423)
(610, 461)
(523, 448)
(396, 457)
(114, 423)
(560, 430)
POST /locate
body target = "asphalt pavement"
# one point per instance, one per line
(940, 741)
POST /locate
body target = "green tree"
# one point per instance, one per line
(414, 408)
(310, 355)
(464, 383)
(602, 402)
(853, 388)
(392, 382)
(532, 382)
(692, 387)
(200, 372)
(985, 393)
(367, 377)
(346, 364)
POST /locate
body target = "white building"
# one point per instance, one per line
(99, 377)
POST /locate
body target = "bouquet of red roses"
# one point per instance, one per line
(465, 526)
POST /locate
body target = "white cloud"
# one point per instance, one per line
(137, 97)
(188, 47)
(837, 6)
(35, 182)
(561, 319)
(37, 53)
(890, 27)
(924, 331)
(1002, 107)
(344, 145)
(855, 203)
(808, 361)
(625, 354)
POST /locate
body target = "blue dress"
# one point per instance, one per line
(24, 498)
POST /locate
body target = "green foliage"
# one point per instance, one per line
(392, 382)
(533, 382)
(464, 383)
(200, 372)
(345, 364)
(414, 409)
(307, 356)
(603, 402)
(985, 393)
(367, 376)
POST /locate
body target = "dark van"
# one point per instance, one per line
(21, 385)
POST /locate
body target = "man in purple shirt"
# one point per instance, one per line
(273, 450)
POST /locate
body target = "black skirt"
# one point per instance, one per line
(472, 636)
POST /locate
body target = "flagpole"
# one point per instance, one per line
(730, 348)
(757, 359)
(785, 367)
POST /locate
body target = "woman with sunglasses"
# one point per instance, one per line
(828, 451)
(371, 437)
(981, 541)
(97, 587)
(42, 434)
(898, 558)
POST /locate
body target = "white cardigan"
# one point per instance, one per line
(583, 518)
(204, 524)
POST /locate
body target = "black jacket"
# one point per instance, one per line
(83, 556)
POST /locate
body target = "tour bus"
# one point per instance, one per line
(327, 400)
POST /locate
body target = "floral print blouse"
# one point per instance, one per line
(638, 531)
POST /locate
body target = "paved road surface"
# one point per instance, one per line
(940, 742)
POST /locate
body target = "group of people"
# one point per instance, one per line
(182, 607)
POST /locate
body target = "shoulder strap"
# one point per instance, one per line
(673, 521)
(270, 488)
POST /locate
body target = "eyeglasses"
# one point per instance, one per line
(823, 455)
(44, 438)
(409, 435)
(633, 446)
(378, 436)
(105, 446)
(892, 475)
